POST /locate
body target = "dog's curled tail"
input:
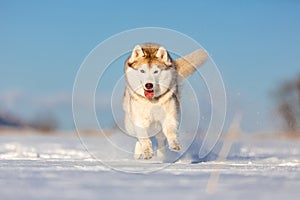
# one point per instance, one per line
(186, 65)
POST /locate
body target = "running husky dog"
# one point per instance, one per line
(151, 100)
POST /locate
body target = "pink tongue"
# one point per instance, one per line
(149, 94)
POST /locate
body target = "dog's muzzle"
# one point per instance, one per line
(149, 92)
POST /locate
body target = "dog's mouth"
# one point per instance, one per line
(149, 93)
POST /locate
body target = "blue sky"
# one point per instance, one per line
(255, 44)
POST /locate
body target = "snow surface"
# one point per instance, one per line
(59, 167)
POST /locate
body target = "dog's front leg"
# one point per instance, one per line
(143, 147)
(170, 126)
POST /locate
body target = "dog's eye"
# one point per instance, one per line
(142, 71)
(155, 72)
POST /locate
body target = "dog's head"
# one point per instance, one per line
(150, 70)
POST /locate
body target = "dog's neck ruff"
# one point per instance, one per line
(161, 98)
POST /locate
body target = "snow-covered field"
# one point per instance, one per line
(59, 167)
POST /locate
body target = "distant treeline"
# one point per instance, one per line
(44, 122)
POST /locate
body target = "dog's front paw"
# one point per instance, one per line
(174, 146)
(147, 154)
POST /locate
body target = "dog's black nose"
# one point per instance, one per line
(149, 86)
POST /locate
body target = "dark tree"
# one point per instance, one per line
(288, 104)
(45, 122)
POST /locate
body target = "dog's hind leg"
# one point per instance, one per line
(138, 151)
(161, 142)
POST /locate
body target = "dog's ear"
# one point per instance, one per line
(186, 65)
(137, 52)
(163, 55)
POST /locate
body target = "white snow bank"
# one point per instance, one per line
(48, 167)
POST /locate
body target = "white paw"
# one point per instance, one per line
(147, 154)
(161, 153)
(174, 146)
(137, 156)
(138, 151)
